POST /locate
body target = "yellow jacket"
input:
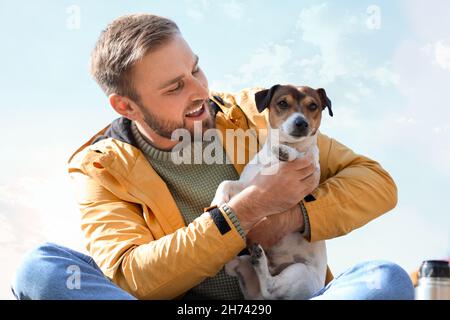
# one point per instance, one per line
(137, 236)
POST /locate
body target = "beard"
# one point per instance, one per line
(165, 128)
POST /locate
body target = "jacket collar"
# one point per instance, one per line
(120, 129)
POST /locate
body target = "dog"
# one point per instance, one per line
(293, 268)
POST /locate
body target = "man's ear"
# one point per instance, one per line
(326, 102)
(262, 98)
(123, 106)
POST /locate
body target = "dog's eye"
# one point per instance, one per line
(283, 104)
(313, 107)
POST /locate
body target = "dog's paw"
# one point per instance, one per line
(280, 152)
(257, 253)
(231, 267)
(284, 153)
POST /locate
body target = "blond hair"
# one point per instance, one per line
(123, 43)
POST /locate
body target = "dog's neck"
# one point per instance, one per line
(303, 145)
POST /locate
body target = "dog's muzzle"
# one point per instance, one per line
(299, 128)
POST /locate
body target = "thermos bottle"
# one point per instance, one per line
(434, 281)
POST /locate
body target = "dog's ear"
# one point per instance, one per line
(262, 98)
(326, 102)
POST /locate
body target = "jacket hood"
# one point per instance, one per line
(120, 129)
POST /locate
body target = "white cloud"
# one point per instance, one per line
(428, 20)
(442, 54)
(323, 28)
(6, 231)
(422, 63)
(270, 60)
(407, 120)
(438, 151)
(347, 120)
(385, 76)
(352, 97)
(327, 34)
(232, 9)
(265, 67)
(445, 129)
(48, 203)
(322, 53)
(334, 34)
(313, 62)
(194, 14)
(198, 9)
(424, 84)
(34, 210)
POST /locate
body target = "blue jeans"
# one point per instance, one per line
(55, 272)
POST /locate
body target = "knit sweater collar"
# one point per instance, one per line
(154, 153)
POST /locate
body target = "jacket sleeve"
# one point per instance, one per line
(147, 266)
(353, 191)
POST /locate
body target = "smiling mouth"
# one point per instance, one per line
(196, 112)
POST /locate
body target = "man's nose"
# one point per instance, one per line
(199, 90)
(301, 123)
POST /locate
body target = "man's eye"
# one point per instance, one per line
(178, 87)
(196, 70)
(283, 104)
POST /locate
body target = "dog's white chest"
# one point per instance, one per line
(265, 161)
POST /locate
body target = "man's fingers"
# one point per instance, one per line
(303, 162)
(306, 172)
(309, 183)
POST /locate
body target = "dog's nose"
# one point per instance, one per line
(301, 123)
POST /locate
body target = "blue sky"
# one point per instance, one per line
(388, 83)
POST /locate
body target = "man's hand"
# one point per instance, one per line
(271, 194)
(279, 192)
(272, 229)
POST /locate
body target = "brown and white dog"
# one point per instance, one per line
(293, 268)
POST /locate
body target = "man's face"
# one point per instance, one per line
(173, 90)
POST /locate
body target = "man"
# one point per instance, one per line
(142, 213)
